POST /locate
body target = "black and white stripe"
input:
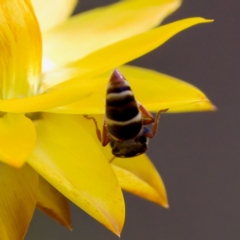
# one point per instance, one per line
(123, 118)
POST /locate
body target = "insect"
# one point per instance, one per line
(125, 120)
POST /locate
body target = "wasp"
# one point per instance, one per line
(125, 120)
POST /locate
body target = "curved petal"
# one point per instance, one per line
(18, 200)
(154, 90)
(119, 53)
(93, 65)
(60, 95)
(103, 26)
(139, 176)
(51, 13)
(135, 185)
(136, 175)
(20, 47)
(67, 157)
(163, 91)
(17, 139)
(53, 203)
(197, 106)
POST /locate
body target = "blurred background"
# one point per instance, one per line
(197, 154)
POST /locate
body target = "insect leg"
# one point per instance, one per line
(103, 138)
(112, 159)
(97, 129)
(147, 117)
(155, 124)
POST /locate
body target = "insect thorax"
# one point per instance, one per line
(129, 148)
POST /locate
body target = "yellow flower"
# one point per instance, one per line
(49, 151)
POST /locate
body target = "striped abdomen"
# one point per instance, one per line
(123, 118)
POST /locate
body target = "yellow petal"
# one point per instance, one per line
(141, 172)
(68, 158)
(160, 92)
(136, 175)
(17, 138)
(95, 29)
(60, 95)
(135, 185)
(20, 47)
(116, 54)
(92, 65)
(154, 90)
(197, 106)
(53, 203)
(18, 200)
(163, 91)
(50, 13)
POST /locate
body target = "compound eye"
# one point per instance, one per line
(142, 139)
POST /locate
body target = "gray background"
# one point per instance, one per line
(197, 154)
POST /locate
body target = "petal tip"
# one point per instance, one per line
(166, 206)
(204, 20)
(211, 107)
(69, 228)
(119, 235)
(209, 20)
(214, 108)
(163, 202)
(117, 230)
